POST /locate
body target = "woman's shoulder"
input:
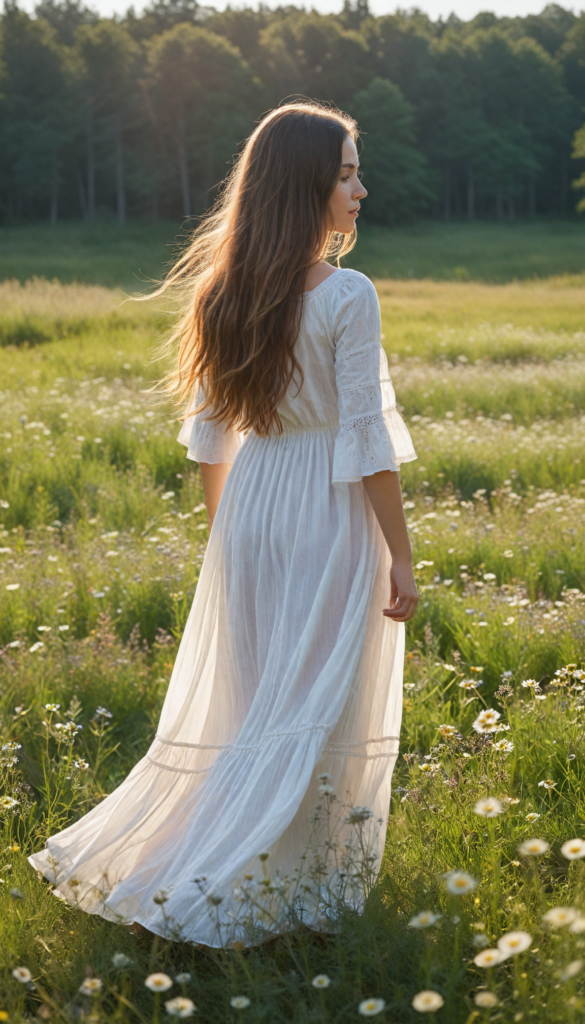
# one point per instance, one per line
(351, 285)
(354, 298)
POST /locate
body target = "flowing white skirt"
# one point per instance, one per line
(287, 669)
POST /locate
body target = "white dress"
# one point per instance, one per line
(287, 668)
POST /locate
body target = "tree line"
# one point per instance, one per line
(140, 115)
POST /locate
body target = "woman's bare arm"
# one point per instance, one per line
(383, 490)
(213, 478)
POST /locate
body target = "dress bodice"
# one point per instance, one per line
(346, 386)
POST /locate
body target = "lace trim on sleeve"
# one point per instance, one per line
(372, 434)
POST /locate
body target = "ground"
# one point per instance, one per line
(102, 539)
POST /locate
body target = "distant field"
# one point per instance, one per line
(129, 256)
(102, 535)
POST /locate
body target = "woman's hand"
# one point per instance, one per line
(403, 592)
(383, 490)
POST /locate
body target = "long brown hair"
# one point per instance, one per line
(245, 268)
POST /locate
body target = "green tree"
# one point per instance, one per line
(200, 92)
(109, 60)
(395, 172)
(36, 114)
(315, 56)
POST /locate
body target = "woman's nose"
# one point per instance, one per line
(360, 192)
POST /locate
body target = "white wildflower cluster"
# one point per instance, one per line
(8, 756)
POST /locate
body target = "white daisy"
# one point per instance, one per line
(427, 1001)
(158, 982)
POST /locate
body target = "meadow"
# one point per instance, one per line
(102, 535)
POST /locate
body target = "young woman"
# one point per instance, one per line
(290, 667)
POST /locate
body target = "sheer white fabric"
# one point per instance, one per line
(206, 440)
(287, 667)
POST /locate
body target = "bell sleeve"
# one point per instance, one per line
(207, 440)
(372, 435)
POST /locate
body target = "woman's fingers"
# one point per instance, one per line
(402, 608)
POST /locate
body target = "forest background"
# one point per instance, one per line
(140, 115)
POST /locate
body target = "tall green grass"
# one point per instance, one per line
(101, 539)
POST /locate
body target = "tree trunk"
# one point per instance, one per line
(447, 195)
(531, 198)
(81, 193)
(89, 127)
(470, 192)
(184, 169)
(499, 204)
(54, 203)
(563, 191)
(120, 189)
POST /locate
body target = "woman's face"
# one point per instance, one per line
(345, 201)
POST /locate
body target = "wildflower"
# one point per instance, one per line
(239, 1002)
(449, 668)
(487, 721)
(13, 586)
(577, 927)
(102, 713)
(490, 807)
(480, 941)
(180, 1006)
(6, 802)
(321, 981)
(63, 628)
(81, 765)
(324, 777)
(514, 942)
(158, 982)
(485, 999)
(470, 684)
(447, 731)
(533, 847)
(558, 917)
(371, 1007)
(430, 769)
(459, 882)
(52, 707)
(36, 647)
(160, 897)
(547, 783)
(529, 683)
(424, 920)
(91, 986)
(167, 495)
(183, 979)
(571, 970)
(574, 849)
(488, 958)
(533, 816)
(358, 815)
(503, 746)
(120, 960)
(427, 1001)
(326, 790)
(22, 974)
